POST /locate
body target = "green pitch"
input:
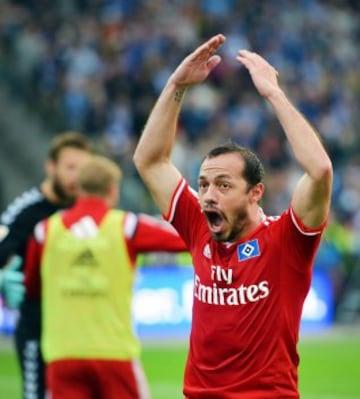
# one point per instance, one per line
(330, 367)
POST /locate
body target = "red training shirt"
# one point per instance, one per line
(143, 234)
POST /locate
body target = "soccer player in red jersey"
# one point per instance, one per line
(251, 272)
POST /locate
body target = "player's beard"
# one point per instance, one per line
(235, 228)
(64, 197)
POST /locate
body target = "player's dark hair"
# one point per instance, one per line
(68, 139)
(253, 171)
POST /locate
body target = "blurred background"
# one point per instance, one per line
(97, 66)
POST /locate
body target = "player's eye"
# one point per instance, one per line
(224, 186)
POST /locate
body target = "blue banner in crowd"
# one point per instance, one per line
(163, 300)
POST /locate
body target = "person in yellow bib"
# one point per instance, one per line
(82, 263)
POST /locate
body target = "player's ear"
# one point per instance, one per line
(49, 168)
(113, 195)
(257, 192)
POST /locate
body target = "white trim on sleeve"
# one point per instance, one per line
(39, 233)
(130, 224)
(302, 231)
(175, 200)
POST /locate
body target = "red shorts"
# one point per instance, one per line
(91, 379)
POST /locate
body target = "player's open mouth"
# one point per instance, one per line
(215, 220)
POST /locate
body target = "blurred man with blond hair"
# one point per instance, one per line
(82, 262)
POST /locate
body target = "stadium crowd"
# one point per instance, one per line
(97, 66)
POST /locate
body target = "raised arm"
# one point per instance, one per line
(311, 198)
(153, 153)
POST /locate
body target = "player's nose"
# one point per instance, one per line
(210, 196)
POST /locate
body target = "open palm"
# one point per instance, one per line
(197, 66)
(263, 75)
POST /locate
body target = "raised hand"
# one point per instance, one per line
(197, 65)
(264, 75)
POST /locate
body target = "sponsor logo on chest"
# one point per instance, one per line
(222, 290)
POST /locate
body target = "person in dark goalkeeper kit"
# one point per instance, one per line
(67, 151)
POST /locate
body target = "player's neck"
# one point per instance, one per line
(48, 192)
(253, 220)
(257, 219)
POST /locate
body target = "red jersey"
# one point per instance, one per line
(143, 234)
(248, 299)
